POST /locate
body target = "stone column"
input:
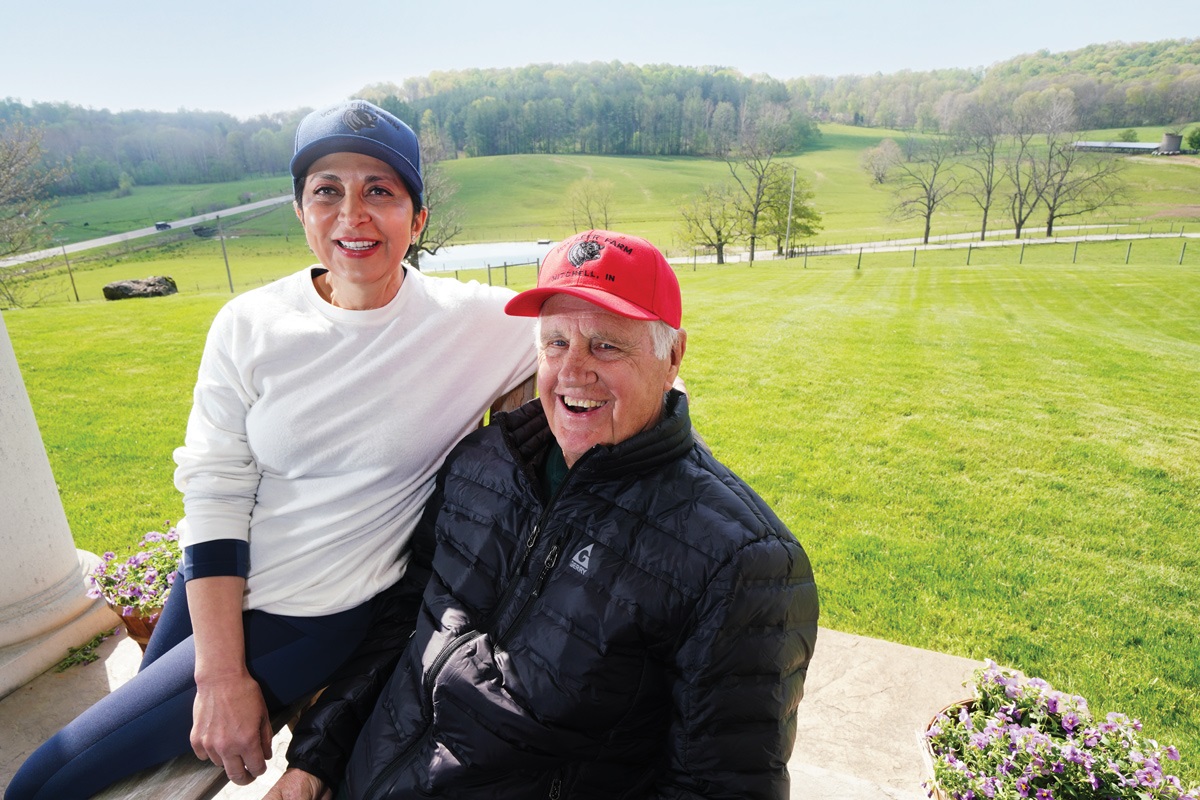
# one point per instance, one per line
(44, 607)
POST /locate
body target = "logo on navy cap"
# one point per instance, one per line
(358, 118)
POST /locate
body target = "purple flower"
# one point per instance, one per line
(1070, 721)
(1172, 753)
(1045, 794)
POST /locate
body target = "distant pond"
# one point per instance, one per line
(480, 256)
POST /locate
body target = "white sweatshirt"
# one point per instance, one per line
(316, 431)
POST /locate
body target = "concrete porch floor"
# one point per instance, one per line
(865, 703)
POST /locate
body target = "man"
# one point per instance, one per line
(612, 612)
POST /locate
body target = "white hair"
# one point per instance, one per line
(662, 335)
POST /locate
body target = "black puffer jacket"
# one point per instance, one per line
(645, 633)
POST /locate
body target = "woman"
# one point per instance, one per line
(324, 405)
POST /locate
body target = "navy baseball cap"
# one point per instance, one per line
(357, 126)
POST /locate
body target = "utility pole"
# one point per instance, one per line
(225, 255)
(70, 274)
(787, 246)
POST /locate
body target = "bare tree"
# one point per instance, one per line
(1068, 181)
(445, 221)
(980, 123)
(23, 185)
(1073, 182)
(764, 134)
(590, 200)
(712, 218)
(880, 160)
(1019, 172)
(925, 183)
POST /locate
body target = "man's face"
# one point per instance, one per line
(599, 380)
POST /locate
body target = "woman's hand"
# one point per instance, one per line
(296, 784)
(231, 726)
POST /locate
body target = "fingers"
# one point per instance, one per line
(295, 784)
(240, 776)
(265, 736)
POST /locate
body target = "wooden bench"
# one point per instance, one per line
(187, 777)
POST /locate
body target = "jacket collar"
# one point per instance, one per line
(527, 433)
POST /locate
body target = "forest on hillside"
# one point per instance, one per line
(615, 109)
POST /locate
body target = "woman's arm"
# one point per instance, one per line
(231, 726)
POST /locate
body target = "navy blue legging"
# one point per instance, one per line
(149, 719)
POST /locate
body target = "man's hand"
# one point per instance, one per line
(296, 784)
(231, 726)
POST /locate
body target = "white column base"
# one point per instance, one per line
(75, 620)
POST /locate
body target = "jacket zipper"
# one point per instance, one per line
(547, 565)
(396, 762)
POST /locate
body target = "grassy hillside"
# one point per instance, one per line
(523, 198)
(92, 216)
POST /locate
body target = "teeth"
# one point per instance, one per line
(357, 245)
(574, 402)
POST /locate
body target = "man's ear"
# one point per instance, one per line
(676, 357)
(299, 212)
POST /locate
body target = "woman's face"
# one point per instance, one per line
(358, 218)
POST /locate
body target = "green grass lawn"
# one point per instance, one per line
(998, 460)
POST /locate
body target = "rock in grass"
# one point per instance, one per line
(155, 286)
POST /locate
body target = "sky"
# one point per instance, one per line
(249, 57)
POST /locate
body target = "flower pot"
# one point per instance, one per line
(927, 755)
(139, 624)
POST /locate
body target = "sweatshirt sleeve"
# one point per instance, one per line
(215, 470)
(739, 676)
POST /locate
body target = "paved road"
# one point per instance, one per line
(142, 232)
(1077, 233)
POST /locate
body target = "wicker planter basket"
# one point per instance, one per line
(935, 791)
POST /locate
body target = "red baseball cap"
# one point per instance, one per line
(620, 273)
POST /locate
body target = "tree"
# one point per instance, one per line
(764, 135)
(23, 185)
(980, 124)
(445, 220)
(879, 160)
(1193, 138)
(925, 183)
(712, 218)
(1048, 113)
(790, 215)
(590, 200)
(1072, 182)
